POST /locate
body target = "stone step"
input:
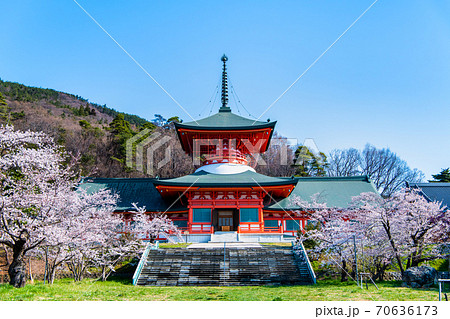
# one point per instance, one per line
(206, 267)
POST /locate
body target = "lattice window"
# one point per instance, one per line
(249, 215)
(292, 225)
(180, 223)
(201, 215)
(271, 223)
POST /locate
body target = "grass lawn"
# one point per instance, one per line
(66, 289)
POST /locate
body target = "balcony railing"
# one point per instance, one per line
(196, 229)
(229, 156)
(258, 228)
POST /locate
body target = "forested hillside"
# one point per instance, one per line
(96, 133)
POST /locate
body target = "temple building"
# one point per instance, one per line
(225, 199)
(434, 191)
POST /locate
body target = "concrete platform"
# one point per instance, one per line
(227, 245)
(224, 237)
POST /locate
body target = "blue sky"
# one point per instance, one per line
(386, 82)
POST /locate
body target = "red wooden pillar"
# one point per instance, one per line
(261, 219)
(189, 212)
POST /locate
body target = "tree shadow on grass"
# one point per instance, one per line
(390, 284)
(124, 274)
(124, 280)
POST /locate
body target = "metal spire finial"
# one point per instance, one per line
(224, 107)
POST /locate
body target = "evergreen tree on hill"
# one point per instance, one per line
(121, 131)
(442, 177)
(3, 107)
(174, 119)
(159, 120)
(308, 163)
(149, 126)
(2, 100)
(120, 126)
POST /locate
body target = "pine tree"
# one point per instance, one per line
(442, 177)
(121, 130)
(2, 100)
(308, 163)
(4, 110)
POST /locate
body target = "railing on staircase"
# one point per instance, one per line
(224, 262)
(299, 249)
(142, 261)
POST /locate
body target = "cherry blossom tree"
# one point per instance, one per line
(154, 226)
(117, 249)
(35, 178)
(332, 233)
(405, 228)
(115, 245)
(87, 222)
(98, 237)
(130, 242)
(412, 227)
(41, 207)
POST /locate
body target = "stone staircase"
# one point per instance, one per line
(223, 267)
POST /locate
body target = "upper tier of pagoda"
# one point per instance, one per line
(224, 137)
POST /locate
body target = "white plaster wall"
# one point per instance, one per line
(225, 168)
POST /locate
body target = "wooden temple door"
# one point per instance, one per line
(226, 219)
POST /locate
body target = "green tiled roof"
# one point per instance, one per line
(225, 121)
(130, 190)
(245, 179)
(334, 191)
(434, 191)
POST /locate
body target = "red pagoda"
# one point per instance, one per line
(225, 199)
